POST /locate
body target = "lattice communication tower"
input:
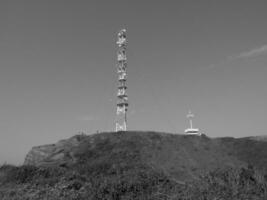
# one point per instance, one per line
(122, 97)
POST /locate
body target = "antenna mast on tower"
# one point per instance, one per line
(190, 116)
(122, 97)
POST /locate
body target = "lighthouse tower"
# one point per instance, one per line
(122, 97)
(191, 130)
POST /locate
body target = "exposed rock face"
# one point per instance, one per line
(38, 154)
(53, 153)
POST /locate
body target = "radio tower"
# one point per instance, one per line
(122, 97)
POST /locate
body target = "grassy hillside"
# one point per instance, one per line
(248, 150)
(142, 165)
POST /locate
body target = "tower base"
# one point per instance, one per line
(120, 127)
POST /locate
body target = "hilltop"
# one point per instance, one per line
(181, 156)
(138, 165)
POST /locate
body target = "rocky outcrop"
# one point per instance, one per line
(58, 153)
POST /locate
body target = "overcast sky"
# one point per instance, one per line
(58, 68)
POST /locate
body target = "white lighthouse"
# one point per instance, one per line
(191, 130)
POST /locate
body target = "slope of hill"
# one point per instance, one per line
(258, 138)
(140, 165)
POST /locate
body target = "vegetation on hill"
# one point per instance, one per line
(248, 150)
(141, 166)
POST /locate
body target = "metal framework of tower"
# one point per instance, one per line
(122, 97)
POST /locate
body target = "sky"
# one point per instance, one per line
(58, 68)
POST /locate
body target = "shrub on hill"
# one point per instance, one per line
(234, 184)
